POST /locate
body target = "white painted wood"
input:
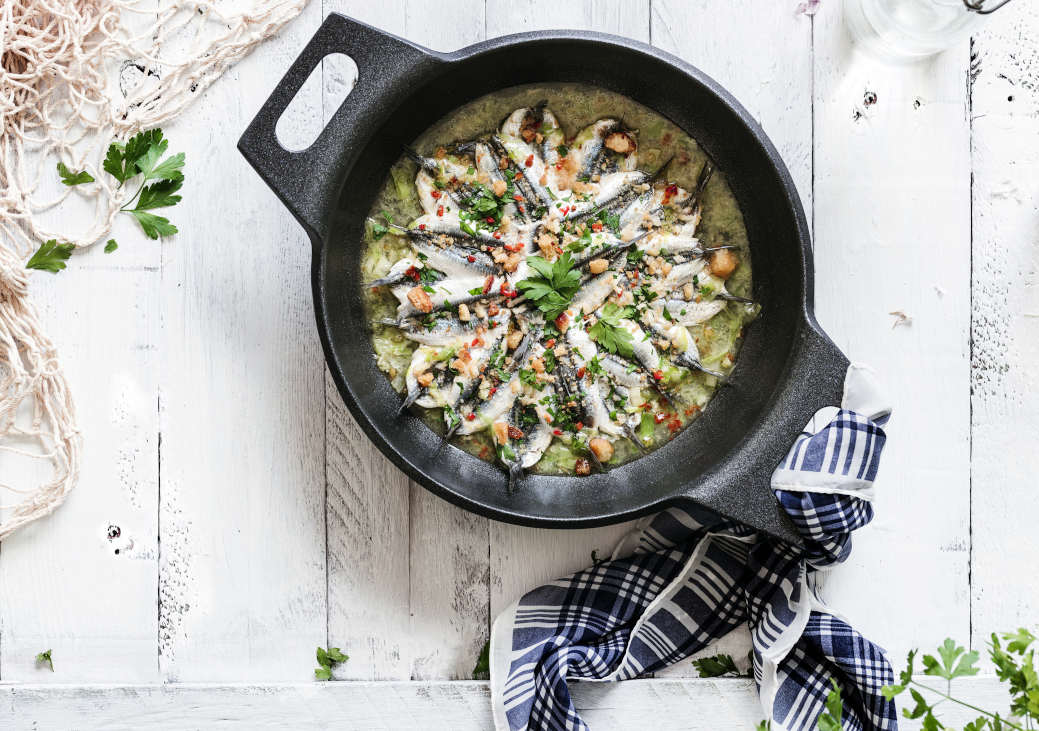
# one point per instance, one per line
(242, 514)
(892, 232)
(523, 558)
(62, 584)
(1005, 322)
(664, 705)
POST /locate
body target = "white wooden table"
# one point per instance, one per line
(257, 522)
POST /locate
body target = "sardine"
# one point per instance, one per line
(594, 158)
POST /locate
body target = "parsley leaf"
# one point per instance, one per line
(554, 287)
(830, 720)
(326, 659)
(154, 226)
(70, 178)
(50, 257)
(716, 666)
(143, 155)
(609, 333)
(482, 670)
(111, 246)
(955, 662)
(45, 658)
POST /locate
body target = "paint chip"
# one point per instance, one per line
(901, 318)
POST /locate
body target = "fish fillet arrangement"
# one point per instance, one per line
(556, 292)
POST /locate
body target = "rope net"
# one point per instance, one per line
(74, 76)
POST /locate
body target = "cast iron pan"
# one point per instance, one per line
(786, 370)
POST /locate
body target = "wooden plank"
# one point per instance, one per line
(1005, 322)
(523, 558)
(242, 565)
(775, 87)
(668, 705)
(64, 585)
(892, 232)
(425, 615)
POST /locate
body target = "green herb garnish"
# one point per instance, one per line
(609, 333)
(70, 178)
(327, 658)
(50, 257)
(45, 658)
(554, 287)
(141, 155)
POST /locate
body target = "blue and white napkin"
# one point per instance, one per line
(687, 577)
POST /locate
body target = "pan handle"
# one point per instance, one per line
(815, 380)
(307, 181)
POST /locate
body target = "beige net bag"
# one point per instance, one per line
(74, 75)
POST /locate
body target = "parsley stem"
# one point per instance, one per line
(135, 196)
(967, 705)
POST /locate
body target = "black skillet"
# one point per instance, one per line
(786, 369)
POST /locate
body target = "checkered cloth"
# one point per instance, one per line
(687, 577)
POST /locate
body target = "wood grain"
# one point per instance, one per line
(1005, 321)
(242, 517)
(664, 705)
(892, 232)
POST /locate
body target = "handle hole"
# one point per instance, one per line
(304, 118)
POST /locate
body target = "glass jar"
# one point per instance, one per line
(907, 30)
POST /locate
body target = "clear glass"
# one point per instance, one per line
(907, 30)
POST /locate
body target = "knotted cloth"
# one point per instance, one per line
(687, 577)
(74, 76)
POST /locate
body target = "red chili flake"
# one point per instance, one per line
(670, 192)
(522, 209)
(581, 372)
(674, 425)
(564, 210)
(435, 194)
(517, 197)
(659, 417)
(513, 246)
(579, 425)
(515, 432)
(529, 161)
(477, 342)
(551, 343)
(472, 416)
(559, 166)
(647, 406)
(658, 375)
(440, 210)
(413, 273)
(517, 176)
(507, 291)
(485, 452)
(597, 226)
(488, 283)
(557, 432)
(471, 258)
(422, 227)
(691, 410)
(490, 219)
(497, 234)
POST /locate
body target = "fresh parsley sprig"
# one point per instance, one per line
(50, 257)
(1015, 665)
(716, 666)
(554, 287)
(609, 333)
(326, 659)
(142, 155)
